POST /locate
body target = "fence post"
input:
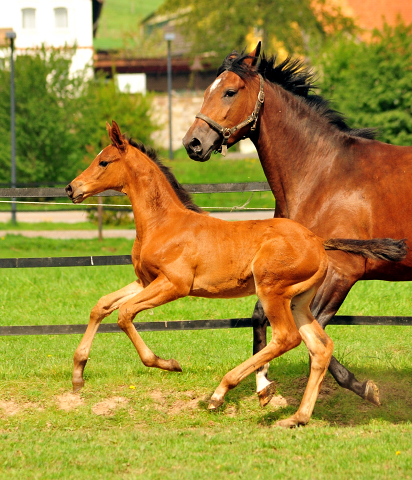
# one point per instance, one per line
(100, 217)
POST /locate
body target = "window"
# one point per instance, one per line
(29, 18)
(61, 18)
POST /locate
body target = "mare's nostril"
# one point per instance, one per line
(195, 145)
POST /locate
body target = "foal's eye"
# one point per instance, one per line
(103, 163)
(230, 93)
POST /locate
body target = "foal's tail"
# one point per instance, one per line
(377, 248)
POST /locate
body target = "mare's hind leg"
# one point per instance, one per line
(326, 303)
(264, 387)
(285, 336)
(320, 348)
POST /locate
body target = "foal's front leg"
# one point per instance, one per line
(159, 292)
(104, 307)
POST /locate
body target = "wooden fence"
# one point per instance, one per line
(98, 261)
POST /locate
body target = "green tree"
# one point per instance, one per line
(222, 25)
(60, 118)
(371, 82)
(45, 117)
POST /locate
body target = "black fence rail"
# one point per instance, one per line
(97, 261)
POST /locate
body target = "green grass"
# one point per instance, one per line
(162, 429)
(120, 18)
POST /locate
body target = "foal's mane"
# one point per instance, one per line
(181, 193)
(297, 78)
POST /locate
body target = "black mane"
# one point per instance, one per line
(295, 77)
(182, 194)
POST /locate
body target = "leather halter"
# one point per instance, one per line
(227, 132)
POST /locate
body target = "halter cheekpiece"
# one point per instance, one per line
(227, 132)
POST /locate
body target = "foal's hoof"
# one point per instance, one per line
(265, 395)
(372, 393)
(174, 366)
(214, 404)
(78, 385)
(291, 422)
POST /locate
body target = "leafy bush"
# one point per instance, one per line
(60, 119)
(371, 82)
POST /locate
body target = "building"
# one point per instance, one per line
(370, 14)
(52, 23)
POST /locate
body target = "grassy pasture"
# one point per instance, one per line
(134, 422)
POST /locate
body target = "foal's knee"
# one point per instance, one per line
(321, 353)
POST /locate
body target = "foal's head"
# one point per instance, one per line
(119, 165)
(107, 171)
(228, 101)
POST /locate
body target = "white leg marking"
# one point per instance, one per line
(261, 378)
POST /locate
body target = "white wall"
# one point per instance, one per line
(79, 28)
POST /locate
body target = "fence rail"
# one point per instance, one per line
(45, 192)
(126, 260)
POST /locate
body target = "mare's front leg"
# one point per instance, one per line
(326, 303)
(264, 387)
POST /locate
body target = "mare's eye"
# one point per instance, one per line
(230, 93)
(103, 163)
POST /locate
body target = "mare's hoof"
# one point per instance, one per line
(265, 395)
(175, 367)
(372, 393)
(214, 404)
(77, 386)
(291, 422)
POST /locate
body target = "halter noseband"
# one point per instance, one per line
(227, 132)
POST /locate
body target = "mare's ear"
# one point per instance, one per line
(116, 136)
(254, 54)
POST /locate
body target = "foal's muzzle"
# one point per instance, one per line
(72, 194)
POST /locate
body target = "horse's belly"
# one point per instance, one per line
(227, 288)
(389, 271)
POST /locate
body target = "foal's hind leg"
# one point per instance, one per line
(285, 336)
(326, 303)
(320, 348)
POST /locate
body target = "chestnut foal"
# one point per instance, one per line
(180, 252)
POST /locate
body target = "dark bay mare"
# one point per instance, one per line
(336, 181)
(179, 251)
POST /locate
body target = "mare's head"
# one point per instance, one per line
(228, 101)
(107, 171)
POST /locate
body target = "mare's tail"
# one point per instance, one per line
(377, 248)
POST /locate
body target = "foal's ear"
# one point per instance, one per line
(254, 55)
(115, 135)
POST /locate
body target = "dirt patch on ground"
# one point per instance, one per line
(190, 401)
(109, 406)
(280, 402)
(69, 401)
(10, 408)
